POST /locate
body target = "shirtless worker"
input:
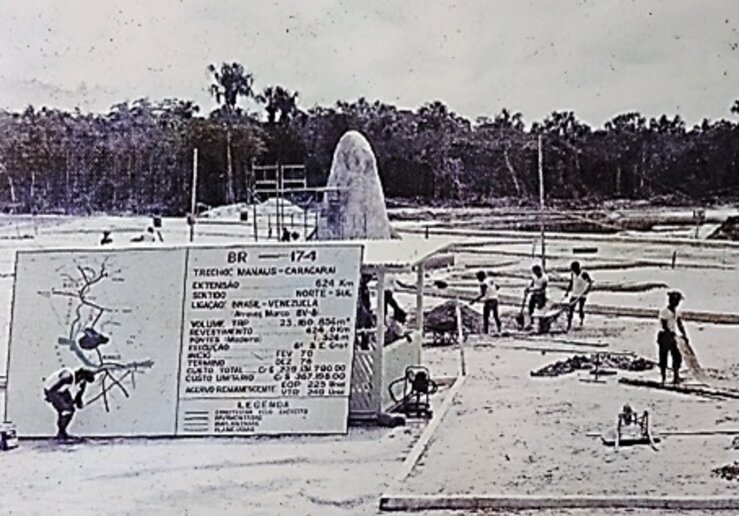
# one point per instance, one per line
(489, 296)
(57, 391)
(579, 287)
(670, 323)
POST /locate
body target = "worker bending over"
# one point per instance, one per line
(57, 392)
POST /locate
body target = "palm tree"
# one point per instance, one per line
(231, 81)
(278, 100)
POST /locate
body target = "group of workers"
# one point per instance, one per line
(578, 288)
(149, 235)
(576, 294)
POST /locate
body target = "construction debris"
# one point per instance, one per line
(581, 362)
(728, 230)
(727, 472)
(443, 319)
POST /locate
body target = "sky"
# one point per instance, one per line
(595, 57)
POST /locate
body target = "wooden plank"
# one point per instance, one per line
(537, 502)
(617, 311)
(546, 338)
(610, 263)
(685, 433)
(683, 389)
(587, 237)
(565, 351)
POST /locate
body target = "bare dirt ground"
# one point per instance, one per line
(333, 475)
(507, 433)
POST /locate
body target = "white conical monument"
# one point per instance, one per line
(357, 210)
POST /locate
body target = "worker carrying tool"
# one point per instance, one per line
(670, 323)
(578, 289)
(489, 296)
(57, 392)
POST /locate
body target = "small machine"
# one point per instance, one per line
(631, 429)
(417, 389)
(8, 436)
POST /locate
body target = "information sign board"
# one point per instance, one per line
(216, 340)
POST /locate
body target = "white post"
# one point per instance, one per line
(254, 218)
(541, 207)
(460, 337)
(194, 193)
(379, 344)
(419, 300)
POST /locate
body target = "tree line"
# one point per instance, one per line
(137, 157)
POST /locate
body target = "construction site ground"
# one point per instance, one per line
(505, 433)
(510, 434)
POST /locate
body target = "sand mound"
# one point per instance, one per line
(728, 230)
(443, 318)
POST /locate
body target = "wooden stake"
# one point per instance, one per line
(472, 502)
(683, 389)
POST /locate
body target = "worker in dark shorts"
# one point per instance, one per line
(58, 388)
(578, 289)
(670, 324)
(489, 296)
(537, 289)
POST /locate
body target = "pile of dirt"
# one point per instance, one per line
(608, 361)
(728, 230)
(443, 318)
(728, 472)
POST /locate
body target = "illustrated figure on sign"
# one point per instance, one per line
(58, 388)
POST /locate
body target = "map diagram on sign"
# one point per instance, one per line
(92, 324)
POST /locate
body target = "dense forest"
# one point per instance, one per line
(137, 158)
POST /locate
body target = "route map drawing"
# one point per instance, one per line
(114, 312)
(85, 338)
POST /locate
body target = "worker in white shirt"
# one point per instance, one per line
(578, 289)
(670, 323)
(537, 289)
(58, 388)
(489, 297)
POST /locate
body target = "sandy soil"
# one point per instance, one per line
(336, 475)
(510, 434)
(506, 433)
